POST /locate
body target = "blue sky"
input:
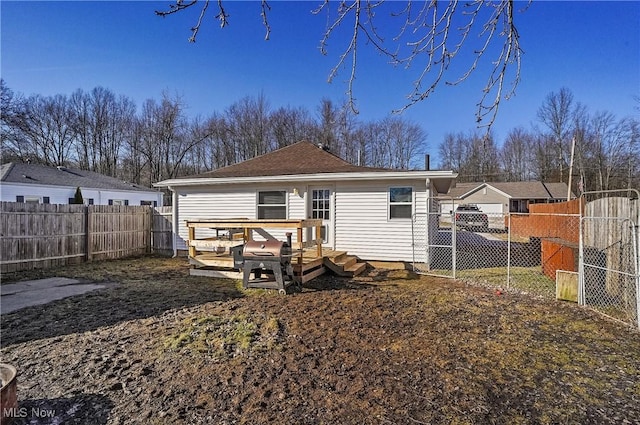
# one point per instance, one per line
(592, 48)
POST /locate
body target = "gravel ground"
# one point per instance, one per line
(159, 346)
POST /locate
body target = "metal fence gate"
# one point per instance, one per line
(609, 267)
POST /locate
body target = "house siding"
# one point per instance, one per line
(361, 221)
(61, 194)
(239, 201)
(490, 202)
(362, 226)
(214, 203)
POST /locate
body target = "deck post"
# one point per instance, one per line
(192, 237)
(319, 240)
(299, 240)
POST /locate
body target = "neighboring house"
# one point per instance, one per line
(23, 182)
(367, 212)
(503, 197)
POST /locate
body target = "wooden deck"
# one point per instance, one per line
(211, 256)
(221, 264)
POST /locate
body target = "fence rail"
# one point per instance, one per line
(49, 235)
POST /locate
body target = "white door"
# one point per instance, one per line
(321, 206)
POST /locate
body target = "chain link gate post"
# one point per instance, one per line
(433, 233)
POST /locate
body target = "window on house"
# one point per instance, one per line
(400, 202)
(272, 204)
(33, 199)
(321, 203)
(89, 201)
(118, 202)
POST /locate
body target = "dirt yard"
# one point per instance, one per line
(160, 347)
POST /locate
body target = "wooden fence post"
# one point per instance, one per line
(89, 220)
(149, 230)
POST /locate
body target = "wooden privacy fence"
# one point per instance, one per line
(49, 235)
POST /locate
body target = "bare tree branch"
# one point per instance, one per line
(265, 7)
(429, 38)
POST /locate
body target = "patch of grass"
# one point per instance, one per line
(224, 337)
(528, 279)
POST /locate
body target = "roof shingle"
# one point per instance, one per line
(516, 190)
(15, 172)
(299, 158)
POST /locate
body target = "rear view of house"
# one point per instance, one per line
(366, 211)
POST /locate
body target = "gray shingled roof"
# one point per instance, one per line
(299, 158)
(558, 190)
(516, 190)
(14, 172)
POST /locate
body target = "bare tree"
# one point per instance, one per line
(452, 151)
(291, 125)
(613, 145)
(102, 123)
(518, 155)
(426, 36)
(556, 113)
(475, 156)
(371, 146)
(12, 113)
(44, 129)
(402, 140)
(164, 140)
(248, 122)
(329, 118)
(220, 142)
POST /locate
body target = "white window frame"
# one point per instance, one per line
(326, 212)
(397, 203)
(285, 204)
(32, 199)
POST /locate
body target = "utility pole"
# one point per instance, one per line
(573, 148)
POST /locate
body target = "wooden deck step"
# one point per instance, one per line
(336, 256)
(344, 265)
(356, 268)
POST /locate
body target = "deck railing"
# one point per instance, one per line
(246, 228)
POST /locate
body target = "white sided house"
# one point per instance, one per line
(24, 182)
(366, 211)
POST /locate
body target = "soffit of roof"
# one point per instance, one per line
(449, 176)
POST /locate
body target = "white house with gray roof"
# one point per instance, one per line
(24, 182)
(503, 197)
(366, 211)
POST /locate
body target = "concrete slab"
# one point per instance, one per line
(15, 296)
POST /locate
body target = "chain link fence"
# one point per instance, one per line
(504, 250)
(539, 252)
(609, 278)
